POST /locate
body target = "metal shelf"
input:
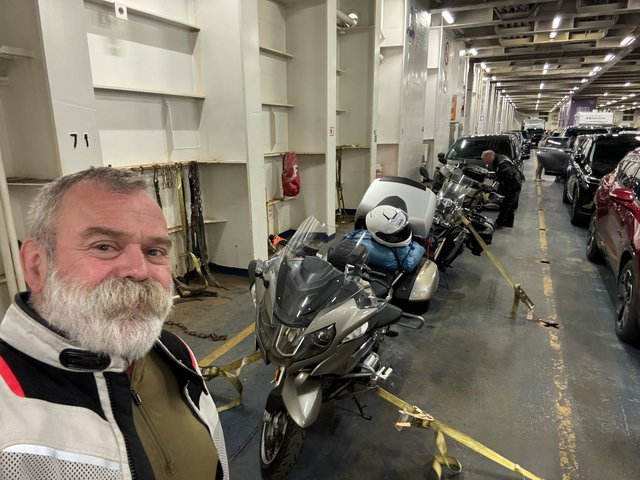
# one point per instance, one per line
(276, 53)
(286, 106)
(138, 91)
(27, 182)
(10, 54)
(209, 221)
(148, 15)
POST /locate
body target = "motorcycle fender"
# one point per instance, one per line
(302, 397)
(426, 282)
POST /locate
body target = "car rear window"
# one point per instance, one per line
(473, 148)
(558, 142)
(607, 153)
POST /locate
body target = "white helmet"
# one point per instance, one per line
(389, 226)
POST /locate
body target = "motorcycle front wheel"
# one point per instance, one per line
(280, 444)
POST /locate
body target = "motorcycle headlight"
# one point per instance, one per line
(317, 342)
(289, 340)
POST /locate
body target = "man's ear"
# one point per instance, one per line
(34, 265)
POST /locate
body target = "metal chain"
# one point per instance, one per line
(194, 178)
(214, 337)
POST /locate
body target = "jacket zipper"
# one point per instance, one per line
(169, 463)
(126, 445)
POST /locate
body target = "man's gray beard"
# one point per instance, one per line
(118, 317)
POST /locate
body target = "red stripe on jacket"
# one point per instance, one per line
(10, 379)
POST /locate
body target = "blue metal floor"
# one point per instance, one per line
(564, 404)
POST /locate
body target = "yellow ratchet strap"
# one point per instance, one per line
(518, 292)
(413, 416)
(231, 372)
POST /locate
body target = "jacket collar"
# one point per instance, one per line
(25, 330)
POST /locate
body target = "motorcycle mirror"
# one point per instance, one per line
(441, 158)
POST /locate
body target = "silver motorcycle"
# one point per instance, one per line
(322, 328)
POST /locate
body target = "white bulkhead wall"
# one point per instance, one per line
(446, 91)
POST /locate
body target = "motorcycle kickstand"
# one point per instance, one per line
(445, 277)
(361, 409)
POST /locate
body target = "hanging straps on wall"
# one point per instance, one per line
(195, 249)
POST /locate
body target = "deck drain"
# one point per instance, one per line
(546, 262)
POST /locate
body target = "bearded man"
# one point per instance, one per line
(90, 384)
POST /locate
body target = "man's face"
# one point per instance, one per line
(103, 235)
(109, 285)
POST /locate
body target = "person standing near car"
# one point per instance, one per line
(510, 179)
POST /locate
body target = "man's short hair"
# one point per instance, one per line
(42, 218)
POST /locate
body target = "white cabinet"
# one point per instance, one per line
(357, 61)
(230, 84)
(402, 86)
(298, 106)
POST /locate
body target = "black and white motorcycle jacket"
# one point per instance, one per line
(67, 413)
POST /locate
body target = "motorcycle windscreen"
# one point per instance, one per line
(304, 286)
(451, 197)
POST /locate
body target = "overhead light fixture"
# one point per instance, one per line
(483, 65)
(498, 84)
(493, 78)
(627, 84)
(627, 41)
(584, 80)
(488, 70)
(473, 51)
(553, 34)
(609, 56)
(624, 98)
(574, 88)
(597, 68)
(606, 93)
(462, 52)
(546, 66)
(631, 95)
(446, 14)
(556, 22)
(541, 85)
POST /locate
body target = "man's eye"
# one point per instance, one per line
(156, 252)
(103, 247)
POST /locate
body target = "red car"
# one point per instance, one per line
(614, 233)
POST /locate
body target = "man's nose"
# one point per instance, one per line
(133, 264)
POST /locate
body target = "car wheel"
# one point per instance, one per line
(565, 194)
(627, 312)
(593, 251)
(577, 217)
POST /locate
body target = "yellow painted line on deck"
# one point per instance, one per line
(562, 408)
(213, 356)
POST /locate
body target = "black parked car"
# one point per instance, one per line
(469, 149)
(554, 153)
(599, 155)
(525, 146)
(535, 135)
